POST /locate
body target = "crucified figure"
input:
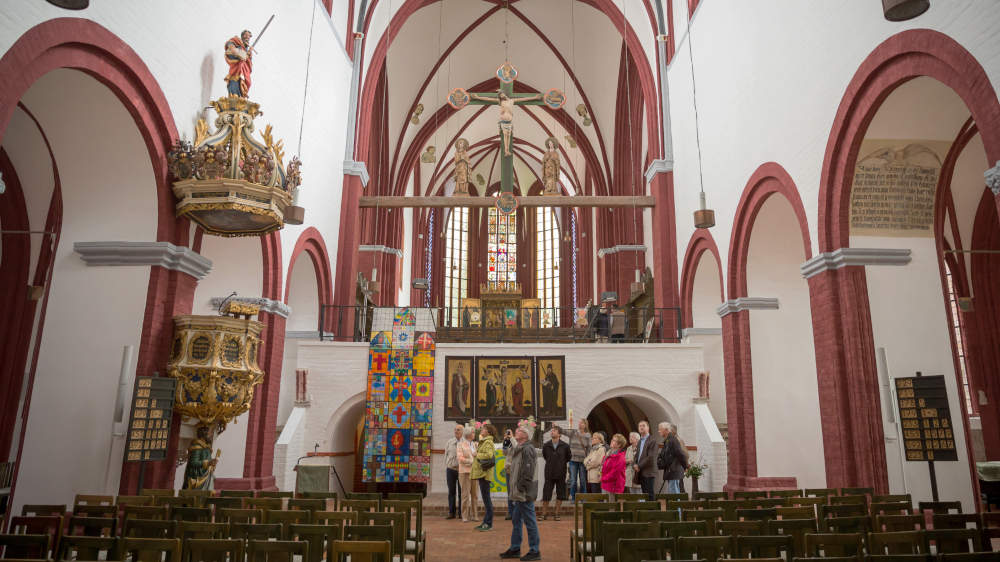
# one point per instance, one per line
(506, 104)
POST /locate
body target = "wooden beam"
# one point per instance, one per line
(391, 202)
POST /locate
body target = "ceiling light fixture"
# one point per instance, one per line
(703, 217)
(902, 10)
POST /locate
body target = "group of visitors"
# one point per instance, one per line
(591, 462)
(467, 460)
(617, 466)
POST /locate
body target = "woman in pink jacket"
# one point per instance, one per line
(613, 468)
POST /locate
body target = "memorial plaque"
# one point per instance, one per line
(894, 187)
(928, 434)
(149, 425)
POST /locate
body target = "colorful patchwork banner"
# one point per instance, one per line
(399, 396)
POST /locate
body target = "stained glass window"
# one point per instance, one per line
(456, 261)
(955, 319)
(501, 249)
(428, 263)
(547, 265)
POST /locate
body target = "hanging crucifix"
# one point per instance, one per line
(506, 99)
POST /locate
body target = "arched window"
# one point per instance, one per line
(501, 249)
(955, 323)
(456, 261)
(547, 265)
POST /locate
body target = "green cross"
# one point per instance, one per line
(459, 98)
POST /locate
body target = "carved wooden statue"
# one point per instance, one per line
(550, 168)
(461, 173)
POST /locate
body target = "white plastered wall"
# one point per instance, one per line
(181, 43)
(770, 77)
(705, 299)
(302, 323)
(664, 375)
(909, 318)
(92, 312)
(909, 321)
(785, 388)
(236, 266)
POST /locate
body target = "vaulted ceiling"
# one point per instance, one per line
(573, 45)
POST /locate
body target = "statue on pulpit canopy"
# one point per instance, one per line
(239, 56)
(461, 167)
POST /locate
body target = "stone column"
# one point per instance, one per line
(850, 410)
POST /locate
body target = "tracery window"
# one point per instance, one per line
(547, 265)
(456, 262)
(501, 248)
(955, 322)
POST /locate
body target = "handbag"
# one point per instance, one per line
(487, 464)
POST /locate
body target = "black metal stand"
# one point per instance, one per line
(931, 471)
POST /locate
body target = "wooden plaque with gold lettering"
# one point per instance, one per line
(149, 425)
(928, 434)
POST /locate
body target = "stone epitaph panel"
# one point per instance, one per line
(149, 424)
(895, 182)
(928, 434)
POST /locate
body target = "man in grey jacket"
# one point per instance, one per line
(522, 488)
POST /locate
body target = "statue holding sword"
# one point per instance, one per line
(239, 56)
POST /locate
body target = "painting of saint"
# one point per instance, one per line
(551, 388)
(505, 388)
(471, 313)
(530, 309)
(458, 389)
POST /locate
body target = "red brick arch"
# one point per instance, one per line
(768, 180)
(701, 242)
(83, 45)
(845, 354)
(312, 244)
(902, 57)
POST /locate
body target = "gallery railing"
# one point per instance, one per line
(543, 325)
(6, 481)
(351, 323)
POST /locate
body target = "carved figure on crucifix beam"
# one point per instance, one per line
(550, 168)
(461, 167)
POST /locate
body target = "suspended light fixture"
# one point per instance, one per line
(71, 4)
(703, 217)
(902, 10)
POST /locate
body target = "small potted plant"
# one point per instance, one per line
(695, 471)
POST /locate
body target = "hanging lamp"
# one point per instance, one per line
(902, 10)
(703, 217)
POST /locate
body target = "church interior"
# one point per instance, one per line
(265, 263)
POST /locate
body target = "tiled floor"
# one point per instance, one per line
(452, 540)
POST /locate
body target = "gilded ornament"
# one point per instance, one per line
(229, 181)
